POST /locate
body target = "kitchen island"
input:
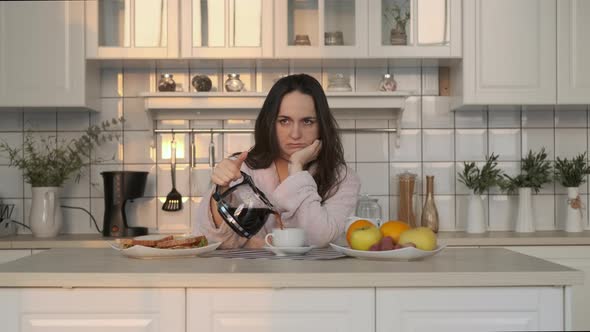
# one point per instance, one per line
(458, 289)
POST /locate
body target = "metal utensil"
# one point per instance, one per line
(174, 199)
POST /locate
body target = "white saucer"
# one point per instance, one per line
(288, 251)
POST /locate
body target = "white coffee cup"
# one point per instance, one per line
(288, 237)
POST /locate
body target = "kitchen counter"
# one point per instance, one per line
(539, 238)
(453, 267)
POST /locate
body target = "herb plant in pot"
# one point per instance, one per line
(571, 174)
(535, 171)
(47, 164)
(479, 181)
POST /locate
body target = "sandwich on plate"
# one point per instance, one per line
(165, 241)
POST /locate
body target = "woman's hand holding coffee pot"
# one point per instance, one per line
(228, 170)
(304, 156)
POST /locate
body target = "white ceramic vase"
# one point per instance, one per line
(573, 220)
(46, 217)
(525, 222)
(476, 220)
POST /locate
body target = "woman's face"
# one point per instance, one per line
(296, 124)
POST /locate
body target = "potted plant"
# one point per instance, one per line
(571, 174)
(479, 181)
(535, 171)
(398, 17)
(46, 165)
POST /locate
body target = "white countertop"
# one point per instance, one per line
(539, 238)
(453, 267)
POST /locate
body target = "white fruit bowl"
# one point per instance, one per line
(403, 254)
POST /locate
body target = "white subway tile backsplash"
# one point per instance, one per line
(349, 145)
(73, 121)
(570, 142)
(201, 180)
(436, 112)
(138, 80)
(12, 182)
(444, 177)
(504, 116)
(109, 152)
(471, 144)
(571, 116)
(410, 148)
(445, 206)
(40, 120)
(438, 145)
(139, 147)
(537, 117)
(506, 143)
(535, 139)
(475, 117)
(174, 222)
(374, 178)
(372, 147)
(14, 140)
(77, 221)
(136, 117)
(412, 113)
(77, 188)
(111, 108)
(111, 82)
(233, 143)
(543, 212)
(503, 211)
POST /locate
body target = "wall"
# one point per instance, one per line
(434, 141)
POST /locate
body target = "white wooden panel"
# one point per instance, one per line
(575, 257)
(469, 309)
(92, 310)
(573, 52)
(509, 52)
(42, 53)
(282, 310)
(8, 255)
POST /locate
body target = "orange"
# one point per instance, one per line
(394, 229)
(356, 225)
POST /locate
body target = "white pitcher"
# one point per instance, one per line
(46, 216)
(573, 220)
(525, 222)
(476, 220)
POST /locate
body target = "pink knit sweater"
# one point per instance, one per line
(299, 203)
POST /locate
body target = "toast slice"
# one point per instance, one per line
(152, 242)
(183, 242)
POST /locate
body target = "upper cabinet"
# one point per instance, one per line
(227, 29)
(131, 29)
(415, 28)
(573, 52)
(510, 52)
(42, 56)
(321, 28)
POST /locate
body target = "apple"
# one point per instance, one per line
(422, 237)
(363, 238)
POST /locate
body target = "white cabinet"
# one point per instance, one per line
(321, 28)
(9, 255)
(575, 257)
(227, 29)
(415, 28)
(285, 310)
(42, 56)
(92, 310)
(470, 309)
(509, 52)
(573, 52)
(133, 29)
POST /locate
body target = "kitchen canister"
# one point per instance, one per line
(233, 83)
(166, 83)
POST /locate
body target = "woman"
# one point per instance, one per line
(297, 161)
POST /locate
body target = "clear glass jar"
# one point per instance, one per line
(369, 208)
(339, 83)
(166, 83)
(233, 83)
(387, 83)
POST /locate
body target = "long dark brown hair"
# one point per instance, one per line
(266, 147)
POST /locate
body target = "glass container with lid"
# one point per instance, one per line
(405, 212)
(369, 208)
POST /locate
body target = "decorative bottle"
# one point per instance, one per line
(429, 212)
(233, 83)
(387, 83)
(166, 83)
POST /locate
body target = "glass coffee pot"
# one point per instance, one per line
(244, 207)
(369, 208)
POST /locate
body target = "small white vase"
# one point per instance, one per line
(46, 216)
(476, 220)
(525, 222)
(573, 220)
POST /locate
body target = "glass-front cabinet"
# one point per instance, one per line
(226, 28)
(321, 28)
(415, 28)
(131, 29)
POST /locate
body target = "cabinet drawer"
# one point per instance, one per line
(285, 310)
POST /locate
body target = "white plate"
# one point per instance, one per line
(149, 252)
(287, 251)
(403, 254)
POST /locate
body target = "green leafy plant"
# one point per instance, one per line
(49, 163)
(398, 15)
(535, 171)
(571, 173)
(480, 180)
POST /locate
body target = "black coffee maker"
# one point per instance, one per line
(118, 188)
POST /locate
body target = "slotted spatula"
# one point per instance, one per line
(174, 199)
